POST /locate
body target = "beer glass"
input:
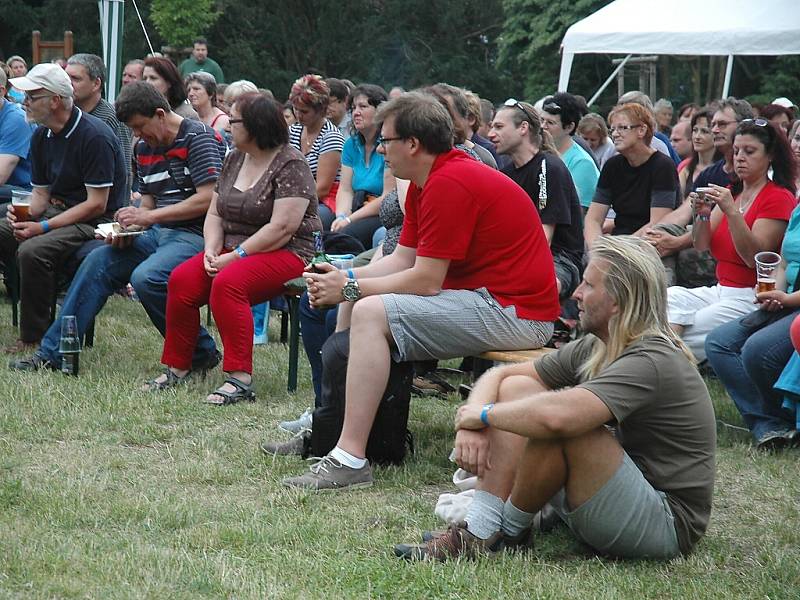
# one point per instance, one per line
(21, 201)
(766, 264)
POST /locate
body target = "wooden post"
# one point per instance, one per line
(41, 48)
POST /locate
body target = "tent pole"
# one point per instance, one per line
(728, 71)
(609, 80)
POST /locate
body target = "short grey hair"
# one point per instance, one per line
(661, 104)
(636, 97)
(741, 108)
(237, 88)
(93, 64)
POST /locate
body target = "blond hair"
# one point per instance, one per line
(635, 279)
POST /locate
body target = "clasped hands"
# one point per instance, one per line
(325, 288)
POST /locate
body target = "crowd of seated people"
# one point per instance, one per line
(230, 187)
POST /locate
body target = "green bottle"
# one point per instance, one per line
(319, 258)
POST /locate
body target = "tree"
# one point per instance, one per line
(180, 21)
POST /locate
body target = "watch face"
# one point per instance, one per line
(351, 292)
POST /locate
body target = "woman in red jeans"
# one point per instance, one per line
(258, 234)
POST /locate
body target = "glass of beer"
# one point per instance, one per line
(21, 201)
(766, 264)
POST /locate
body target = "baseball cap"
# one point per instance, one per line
(785, 102)
(49, 76)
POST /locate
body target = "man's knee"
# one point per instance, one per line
(30, 255)
(518, 386)
(147, 281)
(369, 313)
(598, 444)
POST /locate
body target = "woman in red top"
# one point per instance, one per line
(735, 224)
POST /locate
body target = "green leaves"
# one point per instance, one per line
(180, 21)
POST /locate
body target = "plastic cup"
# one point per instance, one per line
(70, 342)
(342, 261)
(766, 264)
(21, 201)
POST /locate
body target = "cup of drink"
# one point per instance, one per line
(21, 201)
(766, 264)
(342, 261)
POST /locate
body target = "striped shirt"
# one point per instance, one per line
(330, 139)
(172, 173)
(106, 113)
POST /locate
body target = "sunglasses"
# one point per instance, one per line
(517, 104)
(756, 122)
(551, 107)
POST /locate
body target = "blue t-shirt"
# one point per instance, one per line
(584, 172)
(790, 250)
(85, 153)
(367, 178)
(673, 155)
(15, 139)
(714, 174)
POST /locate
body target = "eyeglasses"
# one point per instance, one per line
(385, 140)
(551, 107)
(721, 124)
(29, 98)
(233, 121)
(756, 122)
(516, 103)
(622, 128)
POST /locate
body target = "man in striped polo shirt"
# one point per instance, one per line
(178, 162)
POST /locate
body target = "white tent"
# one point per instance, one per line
(688, 27)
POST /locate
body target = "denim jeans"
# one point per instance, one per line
(317, 326)
(147, 264)
(749, 364)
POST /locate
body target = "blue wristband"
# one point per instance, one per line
(485, 413)
(45, 225)
(240, 251)
(350, 274)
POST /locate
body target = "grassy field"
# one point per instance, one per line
(107, 492)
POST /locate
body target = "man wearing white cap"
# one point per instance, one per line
(79, 179)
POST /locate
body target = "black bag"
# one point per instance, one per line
(389, 439)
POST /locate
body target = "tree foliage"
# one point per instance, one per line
(180, 21)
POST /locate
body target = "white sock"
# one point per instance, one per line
(347, 459)
(515, 521)
(484, 515)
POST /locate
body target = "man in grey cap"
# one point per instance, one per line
(79, 180)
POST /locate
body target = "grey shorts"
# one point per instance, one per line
(457, 323)
(626, 518)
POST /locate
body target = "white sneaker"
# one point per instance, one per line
(302, 422)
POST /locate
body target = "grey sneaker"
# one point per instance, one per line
(329, 474)
(292, 447)
(300, 423)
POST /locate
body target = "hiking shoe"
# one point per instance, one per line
(300, 423)
(292, 447)
(522, 541)
(456, 542)
(329, 474)
(774, 440)
(33, 363)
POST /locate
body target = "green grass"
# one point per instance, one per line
(107, 492)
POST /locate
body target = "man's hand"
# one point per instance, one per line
(339, 224)
(468, 416)
(131, 215)
(472, 451)
(663, 242)
(25, 230)
(117, 241)
(325, 288)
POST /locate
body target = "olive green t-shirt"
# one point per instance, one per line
(664, 417)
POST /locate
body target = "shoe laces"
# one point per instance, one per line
(322, 464)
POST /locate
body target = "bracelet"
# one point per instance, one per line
(240, 251)
(45, 225)
(485, 413)
(703, 218)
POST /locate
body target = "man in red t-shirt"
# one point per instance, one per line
(472, 272)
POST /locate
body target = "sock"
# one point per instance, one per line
(515, 521)
(347, 459)
(485, 515)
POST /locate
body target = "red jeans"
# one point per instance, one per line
(244, 282)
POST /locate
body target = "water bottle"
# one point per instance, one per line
(70, 345)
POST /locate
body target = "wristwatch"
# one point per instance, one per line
(351, 292)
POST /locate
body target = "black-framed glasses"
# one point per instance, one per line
(29, 98)
(233, 121)
(382, 141)
(516, 103)
(551, 107)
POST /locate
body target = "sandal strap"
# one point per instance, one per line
(239, 384)
(242, 392)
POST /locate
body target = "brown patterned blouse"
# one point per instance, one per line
(245, 212)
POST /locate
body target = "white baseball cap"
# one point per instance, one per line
(785, 102)
(48, 76)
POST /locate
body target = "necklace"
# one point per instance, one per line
(744, 206)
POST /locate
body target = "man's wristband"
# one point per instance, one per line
(703, 217)
(350, 274)
(45, 225)
(485, 413)
(240, 251)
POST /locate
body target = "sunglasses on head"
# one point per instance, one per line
(516, 103)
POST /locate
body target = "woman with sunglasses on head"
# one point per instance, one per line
(639, 183)
(735, 224)
(364, 181)
(319, 140)
(201, 89)
(258, 234)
